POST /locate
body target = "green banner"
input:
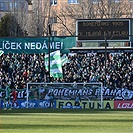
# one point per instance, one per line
(37, 45)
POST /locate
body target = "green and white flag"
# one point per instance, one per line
(64, 59)
(1, 52)
(55, 64)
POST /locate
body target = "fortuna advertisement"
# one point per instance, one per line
(85, 104)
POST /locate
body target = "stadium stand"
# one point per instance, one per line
(18, 69)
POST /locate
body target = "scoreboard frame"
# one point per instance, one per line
(111, 30)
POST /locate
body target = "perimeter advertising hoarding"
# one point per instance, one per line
(31, 104)
(36, 45)
(103, 29)
(123, 104)
(85, 104)
(62, 104)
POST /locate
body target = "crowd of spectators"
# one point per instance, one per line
(18, 69)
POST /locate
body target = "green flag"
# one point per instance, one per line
(55, 64)
(1, 52)
(64, 59)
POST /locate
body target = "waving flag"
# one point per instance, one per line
(1, 52)
(64, 59)
(55, 64)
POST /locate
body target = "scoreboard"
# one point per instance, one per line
(101, 29)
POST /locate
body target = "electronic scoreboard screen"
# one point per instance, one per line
(99, 30)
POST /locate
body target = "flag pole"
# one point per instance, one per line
(49, 56)
(105, 59)
(49, 34)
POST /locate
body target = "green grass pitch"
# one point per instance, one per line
(66, 121)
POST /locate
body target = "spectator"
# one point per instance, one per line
(18, 69)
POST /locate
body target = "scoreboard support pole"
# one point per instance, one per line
(105, 60)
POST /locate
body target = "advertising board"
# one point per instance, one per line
(84, 104)
(123, 104)
(31, 104)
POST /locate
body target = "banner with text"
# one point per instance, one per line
(123, 104)
(60, 104)
(31, 104)
(87, 91)
(36, 45)
(85, 104)
(68, 93)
